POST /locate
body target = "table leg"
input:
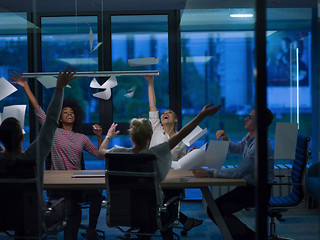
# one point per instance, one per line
(216, 213)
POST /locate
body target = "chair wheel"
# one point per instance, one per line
(184, 233)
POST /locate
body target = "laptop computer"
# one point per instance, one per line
(89, 174)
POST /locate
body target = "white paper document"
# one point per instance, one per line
(214, 157)
(196, 158)
(106, 94)
(143, 61)
(49, 81)
(285, 140)
(197, 133)
(130, 92)
(6, 88)
(16, 111)
(91, 41)
(216, 153)
(92, 49)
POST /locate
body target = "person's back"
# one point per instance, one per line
(16, 163)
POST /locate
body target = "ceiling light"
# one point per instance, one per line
(241, 15)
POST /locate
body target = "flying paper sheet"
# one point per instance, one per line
(197, 133)
(214, 157)
(49, 81)
(195, 158)
(216, 153)
(130, 92)
(16, 111)
(92, 49)
(106, 94)
(142, 61)
(110, 83)
(285, 140)
(6, 88)
(91, 41)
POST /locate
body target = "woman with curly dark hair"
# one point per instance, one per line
(66, 154)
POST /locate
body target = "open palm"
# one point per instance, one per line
(18, 79)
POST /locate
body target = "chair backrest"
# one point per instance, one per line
(21, 202)
(296, 195)
(132, 190)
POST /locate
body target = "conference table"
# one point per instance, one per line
(175, 179)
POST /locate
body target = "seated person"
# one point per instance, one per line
(12, 137)
(162, 131)
(66, 154)
(141, 132)
(243, 196)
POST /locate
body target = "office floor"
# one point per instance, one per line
(300, 224)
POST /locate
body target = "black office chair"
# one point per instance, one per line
(134, 195)
(280, 204)
(23, 211)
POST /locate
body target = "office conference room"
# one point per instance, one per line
(203, 55)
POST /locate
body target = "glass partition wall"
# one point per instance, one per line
(206, 55)
(217, 63)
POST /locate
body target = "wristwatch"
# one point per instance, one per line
(210, 174)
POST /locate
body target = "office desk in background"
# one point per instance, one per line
(175, 179)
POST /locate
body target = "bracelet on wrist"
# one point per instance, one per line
(107, 137)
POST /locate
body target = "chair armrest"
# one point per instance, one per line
(171, 200)
(50, 205)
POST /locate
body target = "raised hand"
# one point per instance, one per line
(65, 77)
(97, 130)
(150, 79)
(209, 110)
(112, 132)
(220, 134)
(18, 79)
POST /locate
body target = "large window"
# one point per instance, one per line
(66, 41)
(138, 36)
(14, 57)
(217, 61)
(217, 67)
(217, 64)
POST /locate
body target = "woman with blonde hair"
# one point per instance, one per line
(163, 129)
(141, 133)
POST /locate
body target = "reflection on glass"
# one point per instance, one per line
(139, 36)
(217, 56)
(71, 41)
(14, 57)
